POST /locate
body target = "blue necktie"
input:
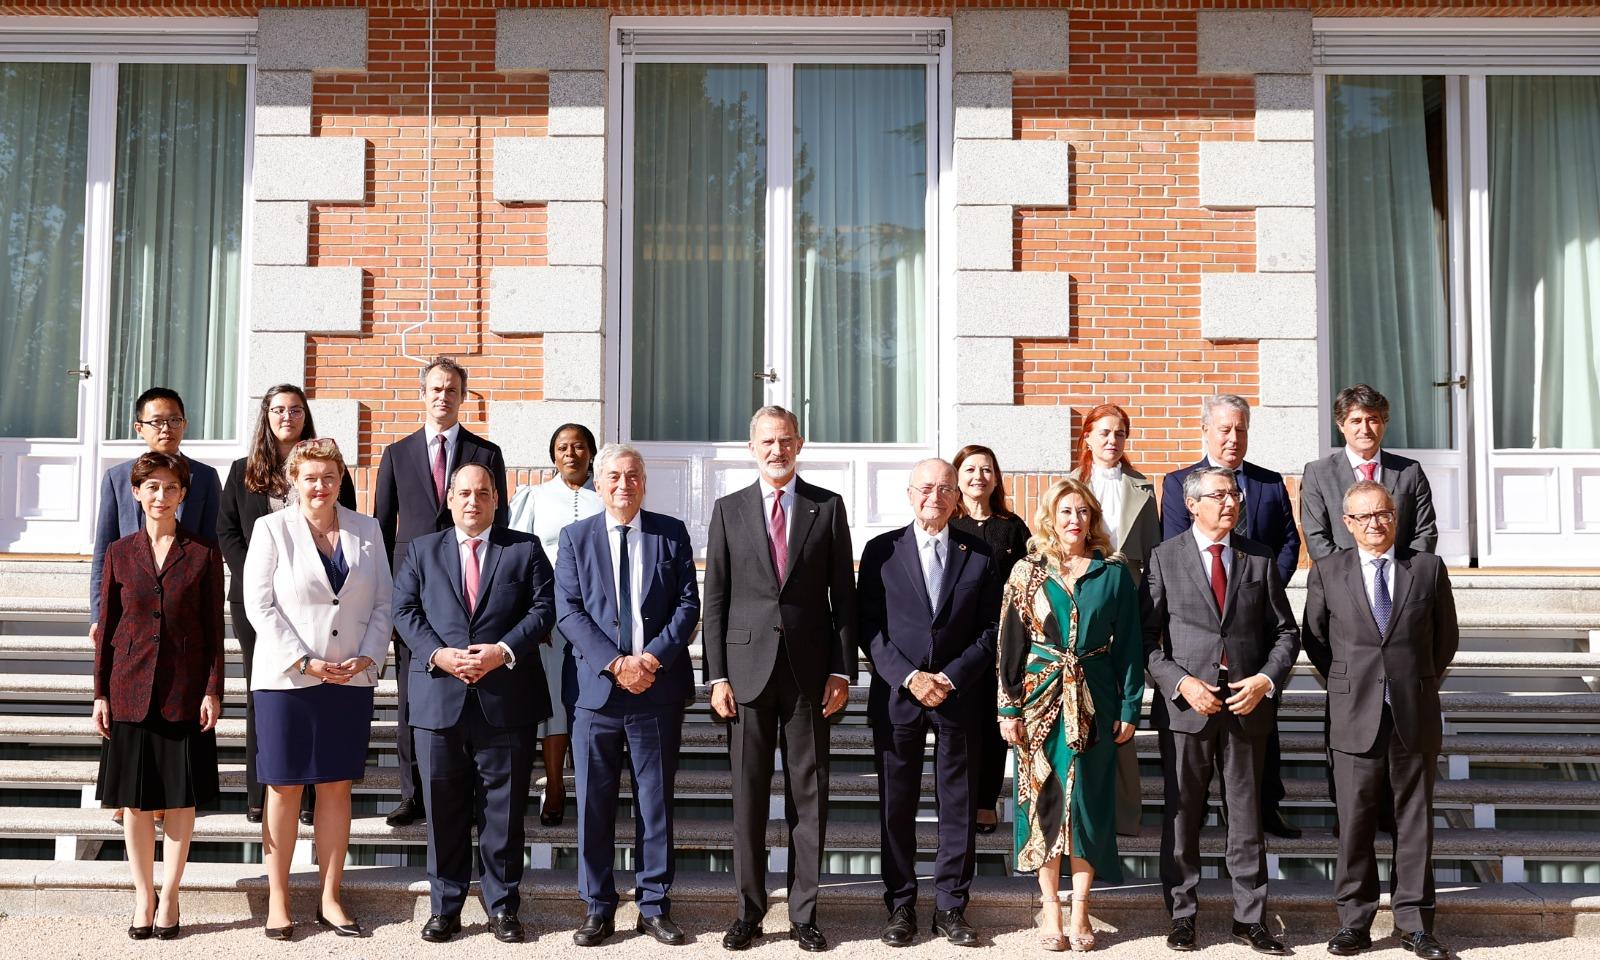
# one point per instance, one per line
(624, 595)
(1382, 606)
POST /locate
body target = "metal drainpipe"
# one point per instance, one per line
(427, 227)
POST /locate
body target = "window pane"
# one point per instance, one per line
(1387, 249)
(860, 185)
(175, 263)
(699, 248)
(1544, 255)
(44, 153)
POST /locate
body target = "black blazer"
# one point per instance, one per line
(746, 613)
(404, 502)
(1342, 641)
(240, 511)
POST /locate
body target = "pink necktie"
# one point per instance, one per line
(779, 529)
(438, 472)
(1368, 470)
(471, 576)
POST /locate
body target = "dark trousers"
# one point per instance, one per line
(254, 792)
(405, 744)
(789, 719)
(900, 751)
(989, 751)
(650, 741)
(1362, 780)
(475, 774)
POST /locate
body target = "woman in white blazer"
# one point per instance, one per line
(317, 589)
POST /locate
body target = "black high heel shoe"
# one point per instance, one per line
(280, 933)
(164, 933)
(136, 932)
(351, 929)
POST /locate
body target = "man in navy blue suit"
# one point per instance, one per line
(1265, 516)
(928, 609)
(628, 603)
(473, 603)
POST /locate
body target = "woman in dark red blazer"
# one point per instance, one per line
(158, 686)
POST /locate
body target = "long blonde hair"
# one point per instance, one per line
(1044, 540)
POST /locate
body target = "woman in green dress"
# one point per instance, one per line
(1071, 678)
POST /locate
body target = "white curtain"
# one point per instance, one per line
(861, 183)
(1388, 316)
(44, 153)
(175, 259)
(699, 249)
(1544, 251)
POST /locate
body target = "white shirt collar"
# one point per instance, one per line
(1367, 558)
(1356, 462)
(923, 536)
(767, 491)
(1205, 542)
(1212, 463)
(462, 536)
(432, 434)
(612, 521)
(1111, 473)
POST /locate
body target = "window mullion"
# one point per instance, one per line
(99, 211)
(780, 319)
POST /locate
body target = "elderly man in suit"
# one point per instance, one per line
(780, 651)
(473, 603)
(411, 502)
(1264, 516)
(1380, 626)
(628, 603)
(1362, 414)
(928, 611)
(1219, 640)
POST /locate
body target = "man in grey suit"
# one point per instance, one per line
(1220, 640)
(1380, 625)
(1362, 414)
(779, 636)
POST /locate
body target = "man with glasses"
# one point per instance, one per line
(1380, 626)
(928, 611)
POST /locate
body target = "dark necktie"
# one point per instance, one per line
(624, 594)
(1219, 587)
(1242, 528)
(1382, 606)
(438, 471)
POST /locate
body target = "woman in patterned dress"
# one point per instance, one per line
(1071, 679)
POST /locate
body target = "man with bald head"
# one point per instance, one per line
(928, 610)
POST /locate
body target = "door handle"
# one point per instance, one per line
(1460, 381)
(771, 375)
(81, 373)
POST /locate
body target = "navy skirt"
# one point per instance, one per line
(312, 734)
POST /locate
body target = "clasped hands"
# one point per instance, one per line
(835, 693)
(930, 689)
(1202, 696)
(634, 674)
(469, 665)
(342, 672)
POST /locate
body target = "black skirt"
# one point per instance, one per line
(156, 764)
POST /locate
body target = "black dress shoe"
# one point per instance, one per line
(166, 933)
(440, 928)
(902, 927)
(662, 928)
(351, 929)
(809, 936)
(954, 927)
(404, 814)
(1424, 946)
(1349, 941)
(136, 932)
(1182, 935)
(1256, 937)
(595, 930)
(740, 935)
(506, 927)
(1275, 823)
(308, 817)
(280, 933)
(252, 814)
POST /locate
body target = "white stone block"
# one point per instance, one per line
(1031, 438)
(987, 368)
(327, 39)
(1001, 41)
(550, 40)
(1285, 438)
(1021, 173)
(1253, 41)
(1239, 176)
(1285, 106)
(318, 169)
(574, 366)
(576, 233)
(1286, 240)
(1258, 306)
(275, 358)
(341, 421)
(522, 428)
(278, 232)
(1289, 373)
(982, 105)
(283, 103)
(545, 169)
(577, 103)
(306, 299)
(1034, 303)
(546, 299)
(983, 238)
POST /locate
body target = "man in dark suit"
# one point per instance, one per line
(628, 603)
(473, 603)
(1266, 517)
(928, 612)
(1216, 619)
(410, 502)
(1380, 626)
(780, 651)
(1362, 414)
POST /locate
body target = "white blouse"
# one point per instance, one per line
(544, 509)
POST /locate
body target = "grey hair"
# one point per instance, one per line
(946, 464)
(773, 411)
(616, 451)
(446, 363)
(1366, 486)
(1194, 484)
(1230, 400)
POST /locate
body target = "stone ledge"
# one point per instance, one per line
(984, 237)
(550, 40)
(327, 39)
(574, 365)
(275, 358)
(982, 106)
(545, 169)
(1024, 438)
(318, 169)
(1034, 303)
(1234, 42)
(283, 103)
(546, 300)
(279, 232)
(306, 299)
(523, 427)
(1239, 176)
(1257, 306)
(1018, 173)
(577, 103)
(1004, 41)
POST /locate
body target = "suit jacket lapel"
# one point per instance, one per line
(347, 542)
(805, 517)
(310, 573)
(1240, 559)
(650, 555)
(1252, 500)
(1198, 567)
(910, 564)
(488, 557)
(753, 511)
(1355, 581)
(450, 563)
(422, 462)
(601, 551)
(1134, 494)
(955, 560)
(1391, 473)
(1400, 590)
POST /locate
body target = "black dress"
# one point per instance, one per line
(1007, 538)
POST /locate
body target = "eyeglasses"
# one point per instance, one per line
(303, 444)
(1221, 495)
(293, 413)
(1379, 517)
(162, 423)
(943, 490)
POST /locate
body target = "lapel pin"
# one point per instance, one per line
(961, 546)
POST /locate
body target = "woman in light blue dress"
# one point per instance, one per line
(543, 510)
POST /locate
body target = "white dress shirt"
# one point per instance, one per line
(635, 572)
(1206, 544)
(1369, 572)
(466, 554)
(432, 435)
(1107, 486)
(1356, 463)
(927, 543)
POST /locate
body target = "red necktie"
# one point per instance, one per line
(471, 576)
(779, 531)
(1367, 471)
(1219, 587)
(438, 472)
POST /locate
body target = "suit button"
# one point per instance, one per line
(777, 629)
(336, 633)
(157, 614)
(336, 601)
(614, 623)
